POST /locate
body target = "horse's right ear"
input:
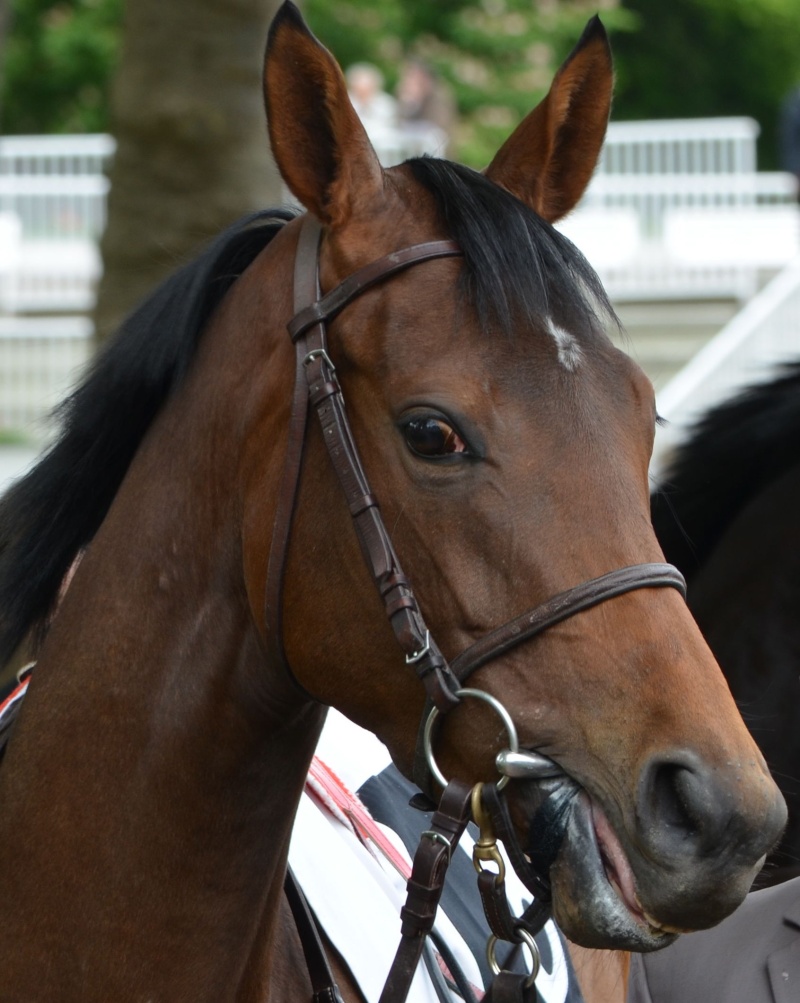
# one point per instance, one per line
(318, 141)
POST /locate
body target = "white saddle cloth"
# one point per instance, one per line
(357, 895)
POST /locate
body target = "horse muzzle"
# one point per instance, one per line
(687, 861)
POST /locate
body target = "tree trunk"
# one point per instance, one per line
(192, 150)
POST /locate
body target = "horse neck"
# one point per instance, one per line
(602, 975)
(149, 791)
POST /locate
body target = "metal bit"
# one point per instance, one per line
(526, 765)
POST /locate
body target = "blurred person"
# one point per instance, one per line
(426, 107)
(375, 107)
(789, 134)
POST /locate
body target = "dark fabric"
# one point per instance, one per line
(387, 797)
(751, 957)
(789, 133)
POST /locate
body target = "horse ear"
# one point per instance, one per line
(318, 141)
(548, 160)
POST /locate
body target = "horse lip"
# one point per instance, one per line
(615, 862)
(594, 881)
(619, 872)
(592, 864)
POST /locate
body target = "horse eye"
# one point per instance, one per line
(431, 438)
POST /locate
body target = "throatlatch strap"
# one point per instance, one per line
(305, 290)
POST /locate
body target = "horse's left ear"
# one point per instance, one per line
(318, 141)
(548, 160)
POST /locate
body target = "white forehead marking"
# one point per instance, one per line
(569, 351)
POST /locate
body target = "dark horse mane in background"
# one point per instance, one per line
(733, 452)
(727, 514)
(56, 509)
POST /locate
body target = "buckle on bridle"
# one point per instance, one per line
(417, 656)
(319, 353)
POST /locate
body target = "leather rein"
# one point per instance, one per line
(317, 386)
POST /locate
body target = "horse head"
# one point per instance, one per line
(507, 442)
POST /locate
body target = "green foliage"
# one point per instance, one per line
(498, 56)
(690, 58)
(58, 60)
(680, 58)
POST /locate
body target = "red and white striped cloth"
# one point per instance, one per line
(354, 870)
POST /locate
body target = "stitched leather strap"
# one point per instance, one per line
(561, 607)
(425, 887)
(315, 368)
(381, 560)
(535, 621)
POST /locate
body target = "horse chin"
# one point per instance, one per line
(594, 894)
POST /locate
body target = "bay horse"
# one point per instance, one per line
(726, 515)
(224, 599)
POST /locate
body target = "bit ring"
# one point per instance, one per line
(497, 707)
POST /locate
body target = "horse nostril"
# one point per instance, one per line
(672, 799)
(683, 812)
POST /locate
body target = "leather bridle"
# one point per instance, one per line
(316, 384)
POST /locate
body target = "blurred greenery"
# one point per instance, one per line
(690, 58)
(57, 65)
(497, 56)
(681, 58)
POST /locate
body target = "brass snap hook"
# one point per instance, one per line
(485, 848)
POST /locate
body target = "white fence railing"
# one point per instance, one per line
(681, 146)
(40, 358)
(764, 334)
(677, 209)
(55, 186)
(53, 192)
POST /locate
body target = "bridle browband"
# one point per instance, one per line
(316, 384)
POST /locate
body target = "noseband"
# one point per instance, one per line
(316, 384)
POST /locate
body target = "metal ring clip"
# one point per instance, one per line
(485, 848)
(524, 938)
(494, 703)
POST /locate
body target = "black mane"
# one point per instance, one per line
(56, 509)
(734, 451)
(517, 265)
